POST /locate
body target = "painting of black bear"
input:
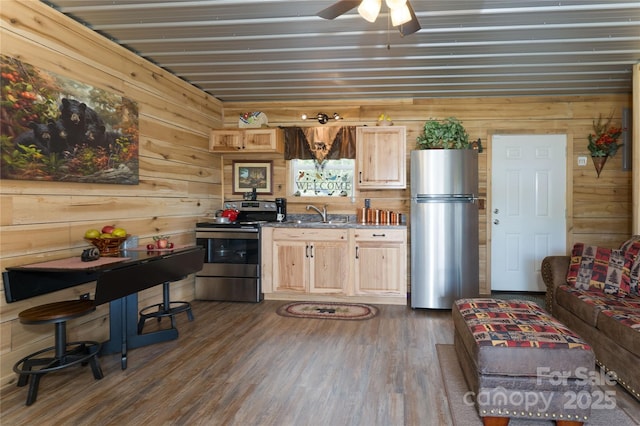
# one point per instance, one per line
(57, 129)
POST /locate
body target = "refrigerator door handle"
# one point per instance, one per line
(419, 196)
(446, 200)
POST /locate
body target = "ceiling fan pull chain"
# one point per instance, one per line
(388, 31)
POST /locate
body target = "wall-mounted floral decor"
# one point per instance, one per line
(603, 141)
(57, 129)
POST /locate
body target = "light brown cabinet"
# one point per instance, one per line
(260, 140)
(309, 260)
(366, 265)
(380, 262)
(381, 157)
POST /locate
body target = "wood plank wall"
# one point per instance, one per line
(599, 209)
(180, 180)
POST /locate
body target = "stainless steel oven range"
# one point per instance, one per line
(231, 270)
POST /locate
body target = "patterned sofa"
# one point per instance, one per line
(595, 293)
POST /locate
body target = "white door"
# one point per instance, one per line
(528, 205)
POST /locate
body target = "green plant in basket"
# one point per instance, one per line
(446, 134)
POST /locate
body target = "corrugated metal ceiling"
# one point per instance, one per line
(270, 50)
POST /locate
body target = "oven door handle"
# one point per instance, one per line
(236, 234)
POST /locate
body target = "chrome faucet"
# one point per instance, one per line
(322, 212)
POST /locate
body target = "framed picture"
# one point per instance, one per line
(59, 129)
(255, 174)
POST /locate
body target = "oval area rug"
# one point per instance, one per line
(328, 310)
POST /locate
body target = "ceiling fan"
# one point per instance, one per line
(402, 14)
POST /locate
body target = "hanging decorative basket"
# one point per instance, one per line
(598, 163)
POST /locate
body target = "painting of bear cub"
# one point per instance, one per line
(77, 124)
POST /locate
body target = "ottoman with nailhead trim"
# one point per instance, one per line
(520, 362)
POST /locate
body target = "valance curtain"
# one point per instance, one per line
(319, 143)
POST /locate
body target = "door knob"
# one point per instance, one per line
(496, 211)
(496, 222)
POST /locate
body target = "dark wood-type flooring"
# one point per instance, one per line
(242, 364)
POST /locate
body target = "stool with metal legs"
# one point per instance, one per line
(64, 354)
(167, 308)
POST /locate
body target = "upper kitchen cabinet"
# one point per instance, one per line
(225, 140)
(381, 157)
(259, 140)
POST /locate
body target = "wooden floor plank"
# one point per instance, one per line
(242, 364)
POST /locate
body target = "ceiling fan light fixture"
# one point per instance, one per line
(369, 9)
(400, 15)
(394, 4)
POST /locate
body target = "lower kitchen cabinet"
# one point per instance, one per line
(309, 260)
(348, 264)
(380, 262)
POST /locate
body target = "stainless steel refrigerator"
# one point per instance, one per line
(444, 227)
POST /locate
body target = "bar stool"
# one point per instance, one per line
(167, 308)
(65, 354)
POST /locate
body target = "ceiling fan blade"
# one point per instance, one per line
(412, 26)
(337, 9)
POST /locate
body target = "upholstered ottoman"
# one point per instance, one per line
(519, 362)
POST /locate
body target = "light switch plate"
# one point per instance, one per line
(582, 161)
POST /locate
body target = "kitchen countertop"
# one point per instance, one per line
(333, 222)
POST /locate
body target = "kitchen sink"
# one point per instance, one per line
(319, 223)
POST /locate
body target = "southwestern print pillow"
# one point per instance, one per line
(594, 268)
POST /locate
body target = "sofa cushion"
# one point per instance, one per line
(596, 268)
(631, 270)
(623, 326)
(634, 274)
(625, 246)
(586, 305)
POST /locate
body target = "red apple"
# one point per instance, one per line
(150, 246)
(170, 245)
(108, 229)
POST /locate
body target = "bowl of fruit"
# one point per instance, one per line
(108, 240)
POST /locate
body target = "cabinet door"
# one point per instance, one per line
(264, 140)
(290, 265)
(381, 262)
(329, 266)
(381, 157)
(225, 140)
